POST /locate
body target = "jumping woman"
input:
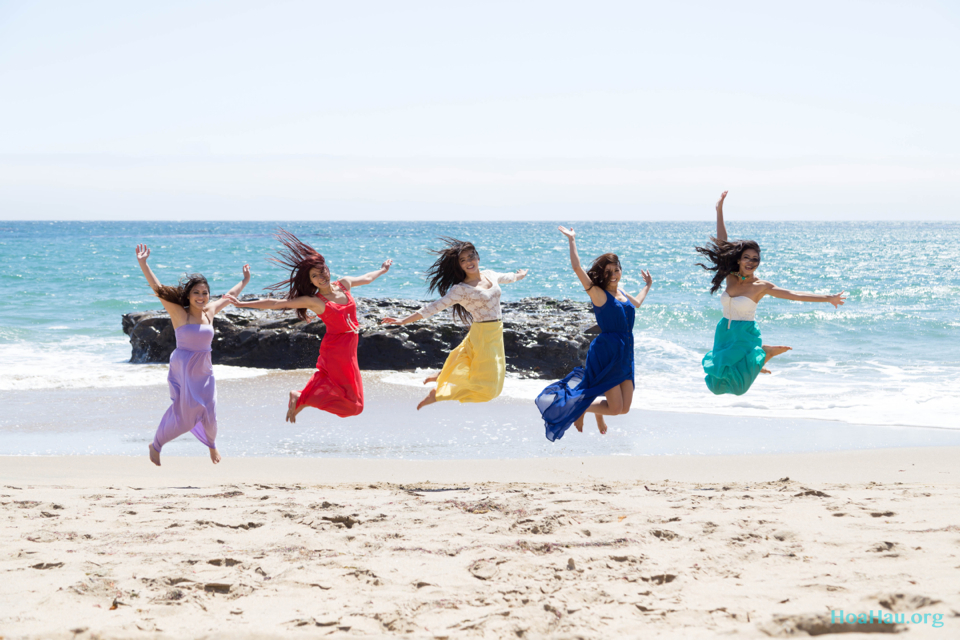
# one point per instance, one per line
(475, 369)
(738, 354)
(336, 385)
(193, 391)
(609, 366)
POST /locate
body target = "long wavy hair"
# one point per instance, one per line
(299, 258)
(180, 294)
(724, 257)
(598, 270)
(446, 272)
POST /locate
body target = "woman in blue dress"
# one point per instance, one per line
(609, 368)
(739, 355)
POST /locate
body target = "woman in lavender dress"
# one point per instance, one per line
(193, 391)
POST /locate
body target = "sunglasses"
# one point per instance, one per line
(757, 260)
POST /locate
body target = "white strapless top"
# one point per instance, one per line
(738, 308)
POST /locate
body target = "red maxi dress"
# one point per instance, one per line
(336, 386)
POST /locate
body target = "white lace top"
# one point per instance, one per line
(483, 304)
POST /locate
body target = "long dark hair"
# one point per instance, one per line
(725, 258)
(180, 294)
(299, 258)
(598, 270)
(446, 272)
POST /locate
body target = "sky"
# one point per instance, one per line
(599, 110)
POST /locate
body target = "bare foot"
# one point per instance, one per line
(772, 352)
(292, 406)
(430, 399)
(601, 425)
(765, 370)
(578, 423)
(214, 456)
(430, 379)
(154, 455)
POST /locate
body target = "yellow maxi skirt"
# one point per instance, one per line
(474, 371)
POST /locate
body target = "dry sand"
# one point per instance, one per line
(672, 547)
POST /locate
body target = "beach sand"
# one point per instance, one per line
(599, 547)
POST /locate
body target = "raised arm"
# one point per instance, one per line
(217, 306)
(596, 295)
(367, 278)
(143, 252)
(637, 301)
(836, 299)
(303, 302)
(177, 313)
(721, 227)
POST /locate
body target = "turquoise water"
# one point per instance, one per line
(890, 356)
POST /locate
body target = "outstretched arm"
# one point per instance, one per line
(596, 295)
(721, 227)
(303, 302)
(177, 313)
(367, 278)
(454, 296)
(507, 278)
(835, 299)
(648, 279)
(411, 318)
(217, 306)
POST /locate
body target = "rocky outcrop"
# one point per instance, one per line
(543, 337)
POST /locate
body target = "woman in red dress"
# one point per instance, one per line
(336, 386)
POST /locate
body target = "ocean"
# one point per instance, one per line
(888, 357)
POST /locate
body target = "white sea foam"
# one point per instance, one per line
(669, 378)
(83, 362)
(868, 393)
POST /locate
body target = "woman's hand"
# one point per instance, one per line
(233, 299)
(391, 321)
(386, 265)
(521, 274)
(571, 235)
(142, 253)
(647, 278)
(837, 299)
(246, 274)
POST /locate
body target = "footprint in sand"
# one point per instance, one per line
(904, 602)
(485, 569)
(224, 562)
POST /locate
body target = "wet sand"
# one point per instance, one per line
(122, 421)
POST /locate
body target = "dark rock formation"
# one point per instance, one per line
(542, 337)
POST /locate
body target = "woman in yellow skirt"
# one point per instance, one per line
(473, 371)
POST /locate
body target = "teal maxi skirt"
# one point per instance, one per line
(736, 358)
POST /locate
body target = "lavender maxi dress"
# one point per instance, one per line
(192, 389)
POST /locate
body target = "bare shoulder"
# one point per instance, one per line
(344, 283)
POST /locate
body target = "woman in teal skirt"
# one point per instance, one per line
(738, 354)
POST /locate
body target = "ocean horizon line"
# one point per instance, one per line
(477, 222)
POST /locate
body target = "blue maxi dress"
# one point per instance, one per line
(609, 363)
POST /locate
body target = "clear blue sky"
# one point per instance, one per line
(441, 110)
